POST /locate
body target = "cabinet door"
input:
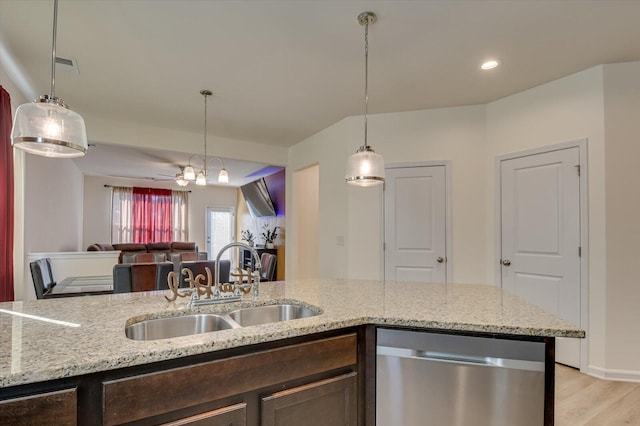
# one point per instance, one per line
(52, 408)
(327, 402)
(129, 399)
(233, 415)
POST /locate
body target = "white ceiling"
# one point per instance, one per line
(283, 70)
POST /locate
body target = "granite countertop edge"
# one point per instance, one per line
(132, 353)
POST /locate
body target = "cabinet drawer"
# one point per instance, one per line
(138, 397)
(52, 408)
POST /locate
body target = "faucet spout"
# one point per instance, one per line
(257, 267)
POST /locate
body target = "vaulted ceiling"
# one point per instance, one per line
(282, 70)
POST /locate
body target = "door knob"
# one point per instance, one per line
(506, 262)
(440, 259)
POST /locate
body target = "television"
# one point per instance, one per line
(258, 199)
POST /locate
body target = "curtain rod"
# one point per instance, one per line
(119, 186)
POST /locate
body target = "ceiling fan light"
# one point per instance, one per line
(180, 180)
(201, 179)
(365, 168)
(189, 174)
(223, 176)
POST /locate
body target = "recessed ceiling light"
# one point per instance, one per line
(489, 65)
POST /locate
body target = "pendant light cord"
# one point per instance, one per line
(366, 79)
(53, 50)
(205, 135)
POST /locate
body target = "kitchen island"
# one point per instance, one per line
(80, 343)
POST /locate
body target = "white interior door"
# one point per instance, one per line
(415, 224)
(220, 231)
(540, 196)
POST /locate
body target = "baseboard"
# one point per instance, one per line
(618, 375)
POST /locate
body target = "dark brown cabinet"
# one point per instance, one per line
(233, 415)
(326, 402)
(50, 408)
(287, 382)
(185, 394)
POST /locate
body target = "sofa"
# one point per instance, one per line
(166, 248)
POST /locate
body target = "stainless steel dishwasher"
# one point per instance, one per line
(449, 380)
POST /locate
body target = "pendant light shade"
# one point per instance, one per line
(201, 179)
(47, 127)
(365, 167)
(189, 174)
(50, 130)
(223, 176)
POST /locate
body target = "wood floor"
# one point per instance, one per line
(585, 400)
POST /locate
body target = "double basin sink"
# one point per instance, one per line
(186, 325)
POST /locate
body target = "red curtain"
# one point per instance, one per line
(6, 199)
(152, 215)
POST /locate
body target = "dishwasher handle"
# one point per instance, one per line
(459, 358)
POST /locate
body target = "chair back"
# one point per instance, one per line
(42, 275)
(198, 268)
(141, 276)
(178, 258)
(143, 257)
(268, 270)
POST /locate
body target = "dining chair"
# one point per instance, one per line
(133, 277)
(198, 268)
(42, 275)
(268, 269)
(143, 257)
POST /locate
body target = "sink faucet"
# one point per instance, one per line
(257, 267)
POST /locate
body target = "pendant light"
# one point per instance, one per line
(223, 176)
(201, 179)
(47, 126)
(365, 167)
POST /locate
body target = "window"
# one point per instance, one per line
(143, 215)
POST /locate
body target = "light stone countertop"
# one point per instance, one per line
(88, 333)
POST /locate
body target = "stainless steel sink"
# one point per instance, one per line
(187, 325)
(270, 313)
(164, 328)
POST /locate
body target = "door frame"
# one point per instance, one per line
(447, 226)
(582, 145)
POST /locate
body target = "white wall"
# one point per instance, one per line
(305, 221)
(622, 151)
(599, 104)
(564, 110)
(97, 206)
(53, 205)
(329, 149)
(456, 134)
